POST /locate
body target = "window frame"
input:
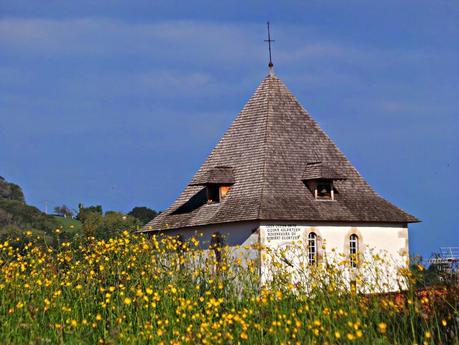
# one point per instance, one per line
(312, 248)
(353, 249)
(329, 184)
(223, 191)
(215, 192)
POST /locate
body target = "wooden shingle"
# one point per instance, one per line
(217, 175)
(266, 152)
(318, 171)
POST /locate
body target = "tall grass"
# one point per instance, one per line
(138, 290)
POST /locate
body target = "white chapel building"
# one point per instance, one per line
(274, 178)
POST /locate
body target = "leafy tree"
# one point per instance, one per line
(143, 214)
(10, 191)
(17, 218)
(108, 225)
(93, 221)
(24, 216)
(84, 212)
(63, 211)
(16, 193)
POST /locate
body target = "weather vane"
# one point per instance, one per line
(269, 40)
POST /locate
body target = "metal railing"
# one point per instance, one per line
(447, 255)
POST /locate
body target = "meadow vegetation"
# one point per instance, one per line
(133, 289)
(16, 216)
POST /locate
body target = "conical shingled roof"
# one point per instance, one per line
(268, 147)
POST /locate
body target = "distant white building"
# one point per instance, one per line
(276, 178)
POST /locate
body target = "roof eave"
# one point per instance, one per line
(411, 220)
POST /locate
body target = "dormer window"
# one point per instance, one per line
(319, 179)
(213, 195)
(324, 190)
(218, 182)
(216, 193)
(224, 190)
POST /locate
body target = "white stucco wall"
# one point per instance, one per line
(383, 249)
(392, 239)
(389, 241)
(234, 234)
(240, 237)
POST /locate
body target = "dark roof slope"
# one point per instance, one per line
(317, 170)
(268, 147)
(217, 175)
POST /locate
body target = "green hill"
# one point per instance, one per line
(16, 216)
(68, 225)
(10, 191)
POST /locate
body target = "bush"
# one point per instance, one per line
(14, 212)
(10, 191)
(108, 225)
(143, 214)
(83, 212)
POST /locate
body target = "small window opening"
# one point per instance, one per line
(224, 190)
(215, 193)
(324, 190)
(353, 249)
(312, 248)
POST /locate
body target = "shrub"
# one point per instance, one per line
(17, 213)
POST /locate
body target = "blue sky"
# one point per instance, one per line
(119, 102)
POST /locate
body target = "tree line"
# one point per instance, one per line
(16, 217)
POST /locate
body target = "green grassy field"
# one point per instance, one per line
(135, 290)
(69, 225)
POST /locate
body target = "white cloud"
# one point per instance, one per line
(192, 41)
(165, 45)
(103, 37)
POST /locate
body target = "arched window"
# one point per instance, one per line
(353, 249)
(312, 248)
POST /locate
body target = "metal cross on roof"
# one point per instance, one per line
(269, 40)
